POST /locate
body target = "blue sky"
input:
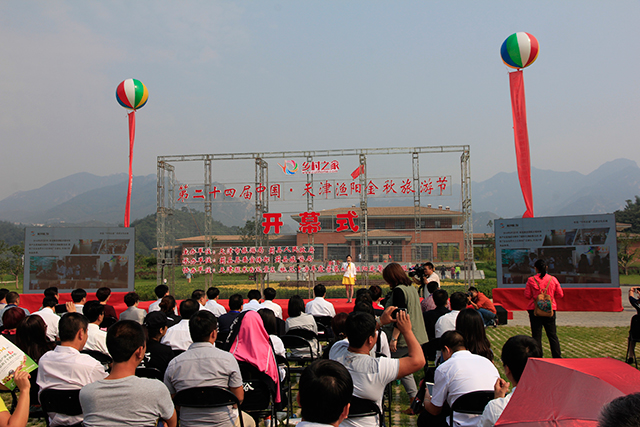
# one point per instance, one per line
(268, 76)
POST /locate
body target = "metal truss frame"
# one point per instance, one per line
(166, 251)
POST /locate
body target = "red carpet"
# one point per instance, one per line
(575, 299)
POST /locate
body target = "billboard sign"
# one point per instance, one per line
(72, 258)
(580, 251)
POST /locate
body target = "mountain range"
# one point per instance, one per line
(89, 200)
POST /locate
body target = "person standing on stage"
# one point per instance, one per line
(349, 278)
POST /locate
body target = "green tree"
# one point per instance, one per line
(628, 248)
(248, 231)
(11, 260)
(630, 215)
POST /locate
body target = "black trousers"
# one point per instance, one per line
(549, 324)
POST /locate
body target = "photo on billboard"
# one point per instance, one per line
(72, 258)
(575, 251)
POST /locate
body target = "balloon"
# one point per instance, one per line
(132, 94)
(519, 50)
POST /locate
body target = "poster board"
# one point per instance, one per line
(580, 251)
(11, 359)
(79, 257)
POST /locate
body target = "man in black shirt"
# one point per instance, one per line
(440, 298)
(225, 321)
(157, 355)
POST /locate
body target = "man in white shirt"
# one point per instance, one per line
(79, 298)
(200, 296)
(462, 372)
(325, 392)
(320, 307)
(50, 317)
(13, 300)
(430, 276)
(65, 368)
(269, 296)
(515, 353)
(447, 322)
(96, 338)
(160, 291)
(212, 304)
(254, 301)
(371, 374)
(178, 336)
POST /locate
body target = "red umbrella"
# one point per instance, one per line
(568, 392)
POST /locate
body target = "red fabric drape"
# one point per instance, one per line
(519, 109)
(132, 135)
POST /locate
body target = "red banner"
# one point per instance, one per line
(132, 135)
(519, 109)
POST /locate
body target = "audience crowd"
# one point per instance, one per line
(128, 370)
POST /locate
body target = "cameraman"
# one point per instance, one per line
(482, 305)
(428, 275)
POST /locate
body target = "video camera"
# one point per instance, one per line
(418, 271)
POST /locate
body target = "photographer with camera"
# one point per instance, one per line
(482, 305)
(424, 274)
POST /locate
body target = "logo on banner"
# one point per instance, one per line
(290, 167)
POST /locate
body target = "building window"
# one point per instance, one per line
(421, 252)
(448, 252)
(377, 224)
(400, 224)
(436, 223)
(338, 252)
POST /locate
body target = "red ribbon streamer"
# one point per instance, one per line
(519, 109)
(132, 135)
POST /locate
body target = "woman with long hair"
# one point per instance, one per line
(404, 296)
(168, 307)
(470, 325)
(31, 337)
(11, 318)
(298, 319)
(546, 284)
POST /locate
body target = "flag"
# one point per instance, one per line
(356, 173)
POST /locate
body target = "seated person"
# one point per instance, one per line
(158, 355)
(515, 353)
(177, 336)
(363, 295)
(122, 398)
(200, 296)
(461, 372)
(254, 301)
(103, 294)
(427, 303)
(168, 307)
(298, 319)
(49, 316)
(376, 296)
(371, 374)
(225, 321)
(11, 318)
(320, 307)
(440, 298)
(325, 394)
(160, 291)
(79, 297)
(65, 368)
(96, 338)
(20, 415)
(212, 304)
(269, 296)
(132, 299)
(483, 305)
(205, 365)
(621, 412)
(13, 300)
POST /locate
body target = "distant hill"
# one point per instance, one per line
(11, 234)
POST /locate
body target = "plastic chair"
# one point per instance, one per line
(471, 403)
(361, 408)
(309, 336)
(65, 402)
(207, 397)
(325, 333)
(259, 392)
(285, 386)
(153, 373)
(100, 357)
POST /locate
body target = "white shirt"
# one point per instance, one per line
(370, 375)
(52, 320)
(154, 306)
(96, 339)
(462, 373)
(253, 305)
(65, 368)
(79, 308)
(214, 307)
(341, 345)
(178, 336)
(350, 269)
(277, 310)
(319, 307)
(493, 410)
(446, 322)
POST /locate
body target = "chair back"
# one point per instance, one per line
(259, 390)
(471, 403)
(365, 408)
(65, 402)
(153, 373)
(207, 397)
(100, 357)
(293, 342)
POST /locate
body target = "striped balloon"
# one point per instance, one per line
(519, 50)
(132, 94)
